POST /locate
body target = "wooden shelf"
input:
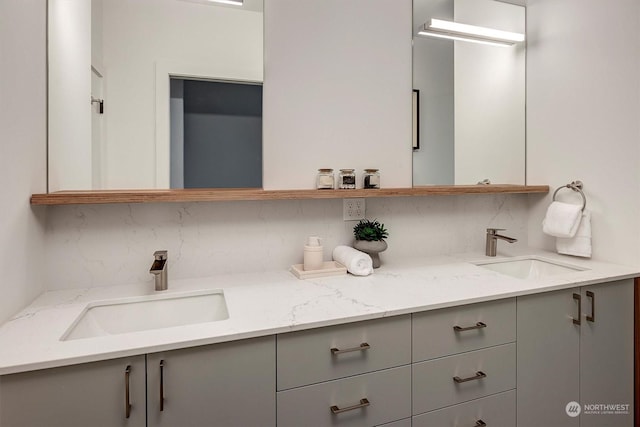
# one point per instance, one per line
(215, 195)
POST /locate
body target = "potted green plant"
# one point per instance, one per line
(370, 237)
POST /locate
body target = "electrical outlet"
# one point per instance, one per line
(353, 209)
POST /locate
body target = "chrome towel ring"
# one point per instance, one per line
(575, 186)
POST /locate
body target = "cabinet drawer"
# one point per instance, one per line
(434, 386)
(498, 410)
(483, 325)
(306, 357)
(388, 393)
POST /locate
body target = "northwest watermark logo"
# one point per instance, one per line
(573, 409)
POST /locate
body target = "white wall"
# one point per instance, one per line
(22, 144)
(96, 35)
(69, 95)
(113, 244)
(583, 109)
(337, 90)
(489, 84)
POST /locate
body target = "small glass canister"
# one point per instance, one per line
(371, 178)
(325, 179)
(347, 179)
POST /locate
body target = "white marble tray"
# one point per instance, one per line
(329, 268)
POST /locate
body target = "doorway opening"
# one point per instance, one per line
(216, 134)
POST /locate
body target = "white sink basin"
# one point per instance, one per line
(146, 313)
(529, 267)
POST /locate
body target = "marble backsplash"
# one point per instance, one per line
(101, 245)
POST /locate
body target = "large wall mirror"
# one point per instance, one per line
(471, 115)
(120, 70)
(121, 73)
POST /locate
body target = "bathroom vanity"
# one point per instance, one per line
(418, 344)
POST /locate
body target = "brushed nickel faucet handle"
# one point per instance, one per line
(494, 230)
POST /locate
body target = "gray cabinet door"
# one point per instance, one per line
(606, 355)
(548, 357)
(590, 363)
(91, 394)
(228, 384)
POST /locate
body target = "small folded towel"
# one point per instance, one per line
(580, 244)
(562, 219)
(357, 263)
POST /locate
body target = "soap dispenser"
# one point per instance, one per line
(313, 254)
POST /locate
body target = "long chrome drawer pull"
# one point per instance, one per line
(127, 401)
(480, 423)
(579, 299)
(591, 295)
(162, 385)
(477, 376)
(364, 346)
(364, 402)
(478, 325)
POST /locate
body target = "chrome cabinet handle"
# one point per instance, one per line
(362, 347)
(162, 385)
(480, 423)
(127, 401)
(478, 325)
(364, 402)
(591, 295)
(579, 299)
(477, 376)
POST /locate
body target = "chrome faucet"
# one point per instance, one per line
(159, 270)
(492, 240)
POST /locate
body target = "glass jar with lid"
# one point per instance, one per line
(371, 178)
(347, 179)
(325, 179)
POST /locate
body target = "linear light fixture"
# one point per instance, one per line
(471, 33)
(233, 2)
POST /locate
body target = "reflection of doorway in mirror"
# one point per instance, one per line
(97, 128)
(215, 134)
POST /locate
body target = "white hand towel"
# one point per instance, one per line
(580, 244)
(562, 219)
(357, 263)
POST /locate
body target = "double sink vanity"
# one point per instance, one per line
(461, 339)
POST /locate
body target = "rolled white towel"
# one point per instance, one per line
(357, 263)
(562, 219)
(580, 244)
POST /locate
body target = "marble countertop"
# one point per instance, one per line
(277, 302)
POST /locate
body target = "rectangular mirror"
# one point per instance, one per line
(110, 65)
(111, 103)
(471, 113)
